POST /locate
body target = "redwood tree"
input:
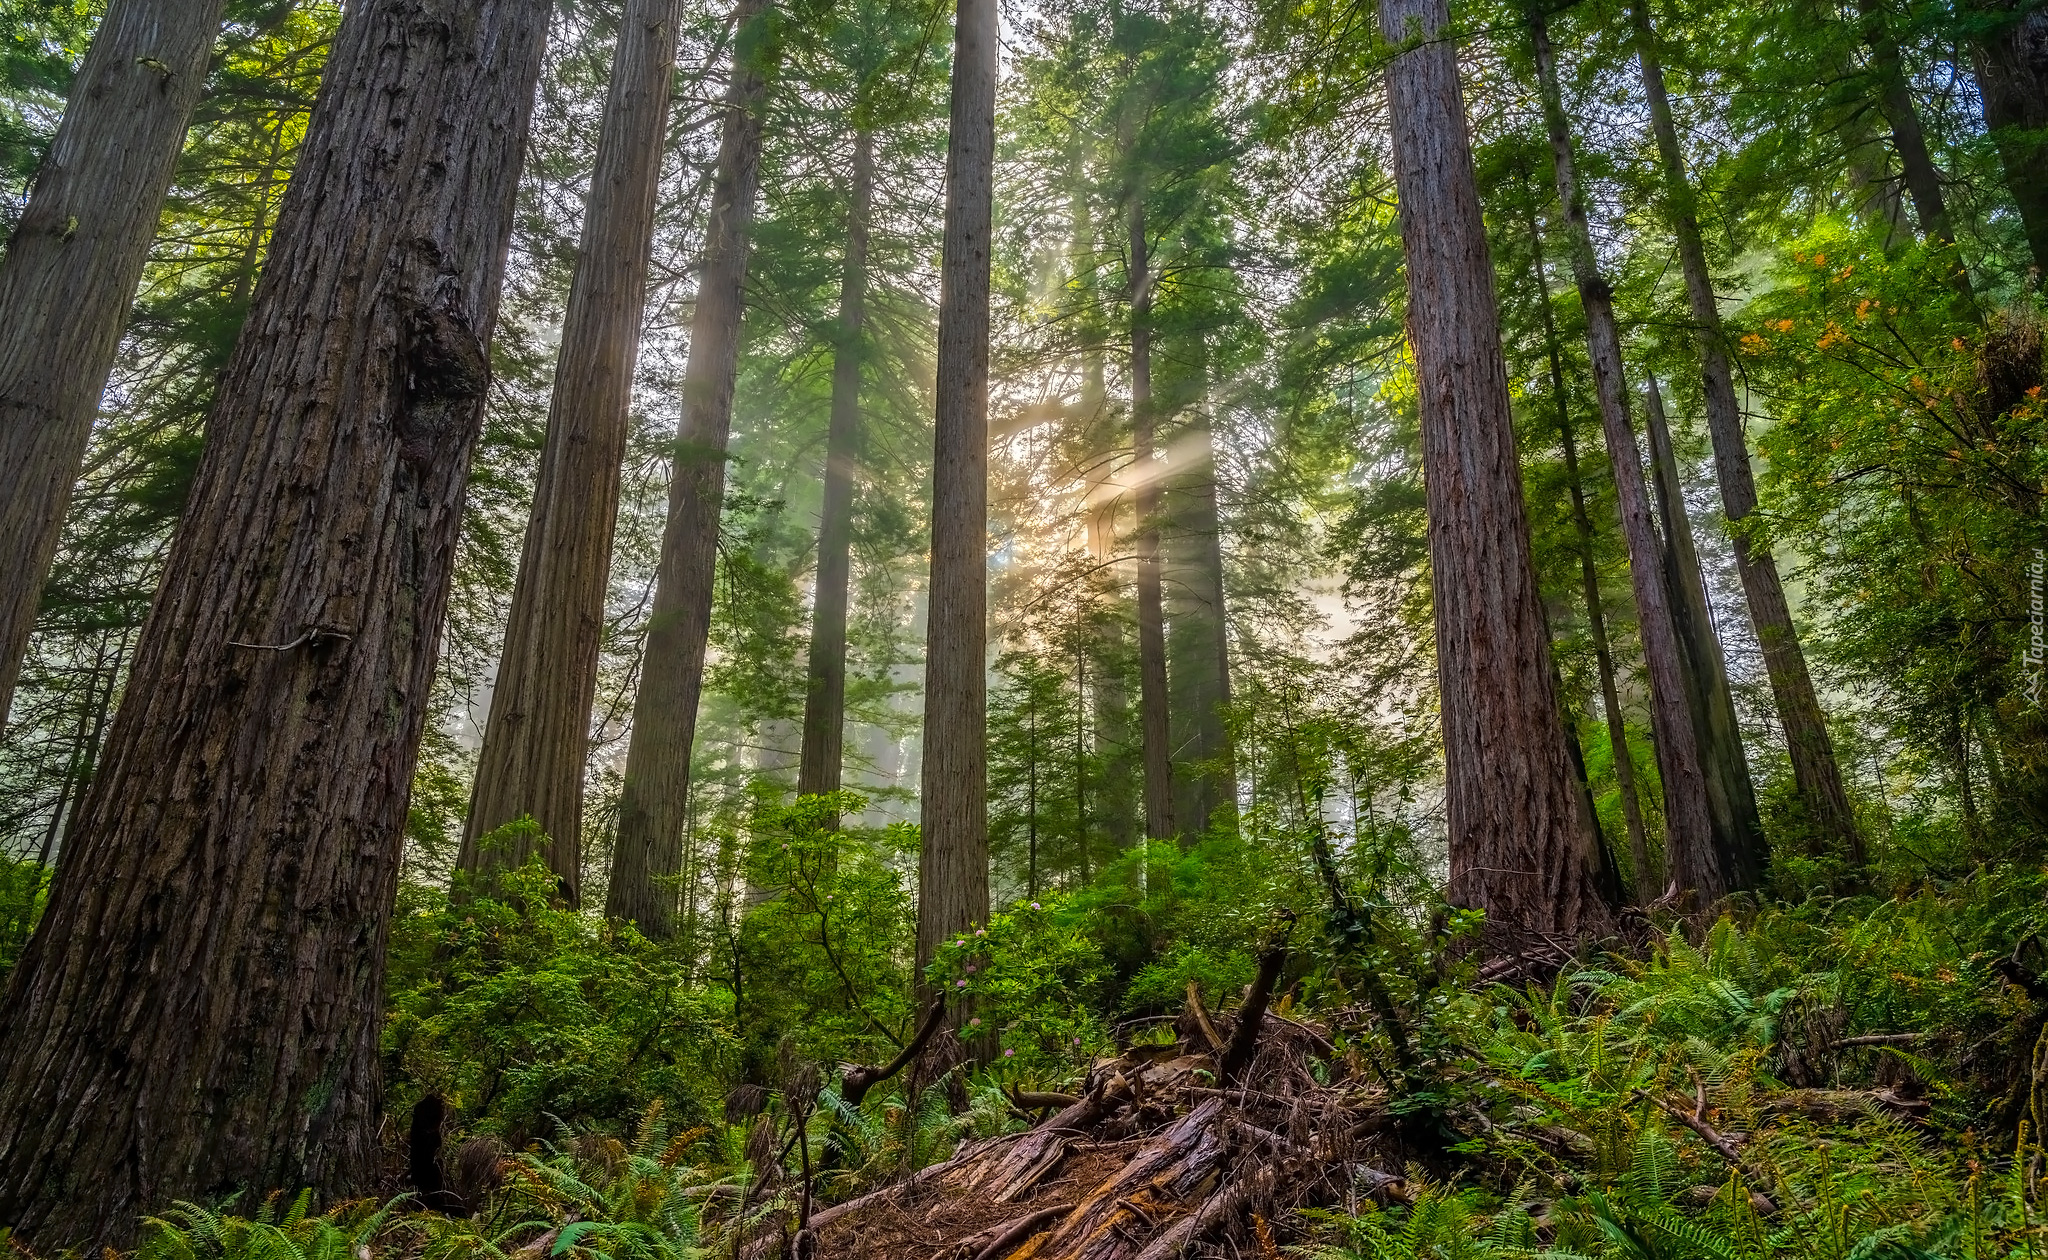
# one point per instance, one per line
(1700, 839)
(825, 697)
(537, 737)
(952, 869)
(654, 800)
(1640, 868)
(2009, 52)
(1818, 778)
(200, 1008)
(1153, 716)
(70, 275)
(1521, 846)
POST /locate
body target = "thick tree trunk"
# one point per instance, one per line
(1722, 756)
(1640, 869)
(1909, 138)
(654, 801)
(1519, 844)
(1814, 772)
(70, 273)
(1198, 647)
(1696, 841)
(1155, 734)
(2010, 56)
(200, 1008)
(825, 698)
(538, 736)
(952, 869)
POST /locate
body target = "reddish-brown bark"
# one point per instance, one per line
(70, 273)
(200, 1008)
(654, 802)
(952, 869)
(537, 738)
(1520, 845)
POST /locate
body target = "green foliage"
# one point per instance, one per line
(823, 954)
(526, 1016)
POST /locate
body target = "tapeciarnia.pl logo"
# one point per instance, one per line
(2037, 615)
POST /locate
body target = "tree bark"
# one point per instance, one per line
(1155, 734)
(538, 736)
(70, 273)
(1814, 772)
(952, 869)
(1695, 840)
(1519, 845)
(654, 799)
(825, 699)
(1198, 648)
(200, 1009)
(1722, 755)
(2009, 53)
(1641, 871)
(1909, 138)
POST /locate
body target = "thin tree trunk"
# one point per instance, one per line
(538, 736)
(1152, 695)
(1909, 138)
(1519, 844)
(70, 273)
(1031, 793)
(654, 799)
(1589, 584)
(1123, 783)
(1695, 841)
(200, 1009)
(825, 698)
(1198, 648)
(1081, 760)
(1722, 755)
(952, 869)
(2009, 53)
(1814, 772)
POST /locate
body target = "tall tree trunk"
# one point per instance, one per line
(2009, 52)
(1696, 841)
(952, 867)
(201, 1006)
(1152, 695)
(654, 801)
(70, 273)
(1814, 772)
(1909, 138)
(1722, 755)
(825, 698)
(1519, 845)
(1198, 648)
(1589, 584)
(538, 736)
(1120, 800)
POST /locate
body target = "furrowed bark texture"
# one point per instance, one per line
(1640, 870)
(1814, 771)
(1520, 847)
(1695, 842)
(538, 735)
(70, 273)
(825, 699)
(2010, 57)
(654, 801)
(200, 1009)
(1722, 756)
(1198, 644)
(1155, 732)
(952, 869)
